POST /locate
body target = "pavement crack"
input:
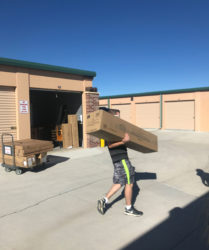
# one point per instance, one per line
(50, 198)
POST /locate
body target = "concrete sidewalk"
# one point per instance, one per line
(55, 207)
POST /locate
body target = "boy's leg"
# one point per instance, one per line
(101, 204)
(129, 209)
(113, 190)
(128, 194)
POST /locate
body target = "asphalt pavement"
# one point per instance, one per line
(54, 207)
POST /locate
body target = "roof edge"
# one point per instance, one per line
(40, 66)
(174, 91)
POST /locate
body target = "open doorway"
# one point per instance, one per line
(50, 109)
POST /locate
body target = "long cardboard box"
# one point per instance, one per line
(111, 128)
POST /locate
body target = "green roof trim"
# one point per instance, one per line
(174, 91)
(39, 66)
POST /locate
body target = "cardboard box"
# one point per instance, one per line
(111, 128)
(29, 161)
(72, 119)
(30, 146)
(24, 161)
(67, 135)
(28, 153)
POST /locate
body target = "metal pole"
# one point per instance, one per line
(2, 148)
(108, 101)
(161, 111)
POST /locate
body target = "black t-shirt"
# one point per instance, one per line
(118, 153)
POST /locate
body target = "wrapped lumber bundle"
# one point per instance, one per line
(28, 153)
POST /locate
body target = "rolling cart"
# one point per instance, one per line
(9, 150)
(10, 159)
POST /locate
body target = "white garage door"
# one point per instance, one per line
(125, 111)
(148, 115)
(179, 115)
(7, 111)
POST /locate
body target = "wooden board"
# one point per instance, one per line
(67, 135)
(72, 119)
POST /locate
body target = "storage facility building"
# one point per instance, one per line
(181, 109)
(34, 98)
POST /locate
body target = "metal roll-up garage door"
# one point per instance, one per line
(8, 111)
(125, 111)
(148, 115)
(179, 115)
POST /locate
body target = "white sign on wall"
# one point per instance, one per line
(23, 107)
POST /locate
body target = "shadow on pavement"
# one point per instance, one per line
(136, 189)
(52, 160)
(185, 229)
(145, 176)
(204, 176)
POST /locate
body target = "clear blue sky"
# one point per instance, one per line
(133, 45)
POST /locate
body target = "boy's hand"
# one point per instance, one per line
(126, 138)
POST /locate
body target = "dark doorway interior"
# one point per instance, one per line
(50, 109)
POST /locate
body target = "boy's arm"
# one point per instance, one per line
(119, 143)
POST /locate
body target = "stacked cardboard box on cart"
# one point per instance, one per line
(27, 153)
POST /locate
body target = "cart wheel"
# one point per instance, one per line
(18, 171)
(7, 169)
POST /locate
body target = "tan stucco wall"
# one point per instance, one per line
(120, 100)
(201, 100)
(22, 94)
(55, 81)
(7, 76)
(103, 102)
(87, 83)
(179, 97)
(24, 79)
(204, 111)
(142, 99)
